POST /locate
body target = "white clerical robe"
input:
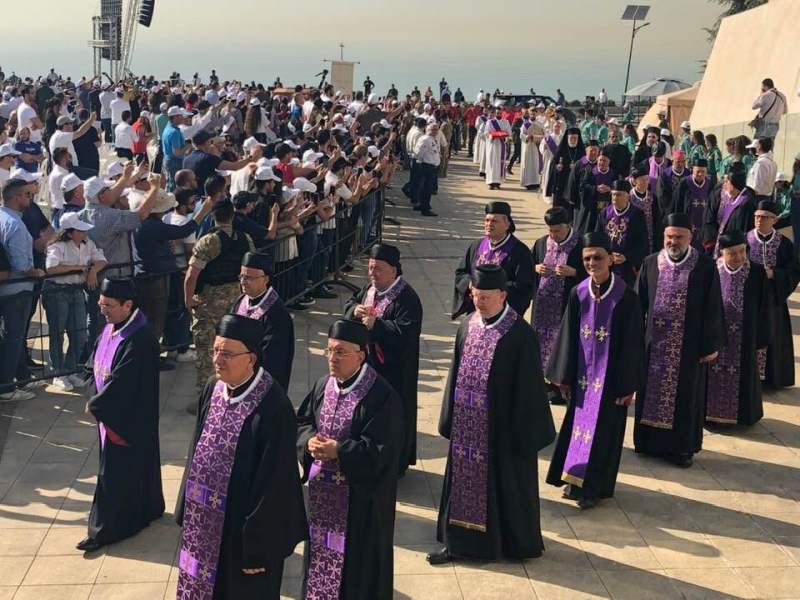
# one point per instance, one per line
(496, 150)
(548, 156)
(531, 134)
(479, 150)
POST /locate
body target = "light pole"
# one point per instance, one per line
(633, 12)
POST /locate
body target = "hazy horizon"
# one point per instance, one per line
(526, 45)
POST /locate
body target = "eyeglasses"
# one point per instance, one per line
(226, 356)
(337, 353)
(757, 216)
(251, 277)
(592, 257)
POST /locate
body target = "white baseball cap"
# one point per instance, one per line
(250, 143)
(70, 182)
(267, 162)
(781, 176)
(372, 98)
(163, 107)
(115, 169)
(292, 145)
(70, 220)
(177, 111)
(307, 127)
(241, 96)
(686, 125)
(26, 176)
(666, 131)
(94, 185)
(255, 102)
(8, 150)
(373, 151)
(752, 145)
(304, 185)
(311, 156)
(266, 173)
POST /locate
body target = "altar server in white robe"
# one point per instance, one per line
(479, 156)
(548, 148)
(496, 132)
(532, 134)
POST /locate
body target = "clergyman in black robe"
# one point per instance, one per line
(240, 504)
(626, 227)
(392, 311)
(577, 180)
(734, 385)
(684, 331)
(593, 194)
(350, 432)
(260, 301)
(570, 151)
(776, 253)
(499, 247)
(731, 208)
(669, 180)
(125, 374)
(596, 365)
(496, 415)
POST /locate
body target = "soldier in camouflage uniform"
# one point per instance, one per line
(212, 282)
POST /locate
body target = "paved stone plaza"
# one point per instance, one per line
(729, 527)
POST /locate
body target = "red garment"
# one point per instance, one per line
(287, 171)
(471, 114)
(140, 146)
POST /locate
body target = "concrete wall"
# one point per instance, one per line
(762, 42)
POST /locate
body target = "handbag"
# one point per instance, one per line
(758, 122)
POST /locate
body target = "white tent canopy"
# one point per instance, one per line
(657, 87)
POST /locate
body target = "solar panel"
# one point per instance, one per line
(641, 13)
(629, 13)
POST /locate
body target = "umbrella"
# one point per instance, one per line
(662, 85)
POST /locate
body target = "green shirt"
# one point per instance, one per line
(161, 122)
(628, 142)
(685, 144)
(714, 162)
(697, 152)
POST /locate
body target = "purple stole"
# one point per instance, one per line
(207, 488)
(256, 312)
(379, 307)
(606, 178)
(329, 492)
(655, 173)
(496, 126)
(495, 256)
(617, 227)
(551, 144)
(549, 304)
(107, 346)
(668, 318)
(469, 439)
(766, 254)
(698, 196)
(646, 206)
(593, 355)
(722, 401)
(726, 210)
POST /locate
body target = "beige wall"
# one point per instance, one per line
(762, 42)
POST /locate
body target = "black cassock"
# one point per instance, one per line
(394, 354)
(574, 260)
(780, 352)
(518, 268)
(369, 461)
(128, 493)
(277, 346)
(667, 189)
(620, 159)
(703, 335)
(520, 425)
(756, 333)
(741, 218)
(634, 248)
(589, 202)
(265, 516)
(623, 377)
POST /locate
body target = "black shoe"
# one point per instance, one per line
(164, 365)
(429, 213)
(440, 557)
(585, 503)
(324, 293)
(531, 187)
(416, 207)
(89, 545)
(569, 494)
(347, 268)
(306, 300)
(33, 365)
(509, 171)
(295, 306)
(684, 461)
(482, 174)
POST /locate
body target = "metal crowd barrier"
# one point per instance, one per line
(322, 260)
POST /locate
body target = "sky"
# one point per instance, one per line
(579, 46)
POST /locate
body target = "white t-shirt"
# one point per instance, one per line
(63, 139)
(54, 185)
(25, 116)
(125, 136)
(118, 106)
(173, 218)
(105, 104)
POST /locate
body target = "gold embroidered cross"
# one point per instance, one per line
(586, 436)
(601, 334)
(577, 432)
(660, 322)
(214, 499)
(204, 573)
(478, 456)
(587, 331)
(460, 452)
(597, 385)
(338, 478)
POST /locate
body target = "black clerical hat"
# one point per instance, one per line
(501, 208)
(621, 185)
(248, 331)
(258, 260)
(606, 151)
(121, 288)
(678, 220)
(387, 253)
(597, 239)
(349, 331)
(489, 277)
(738, 179)
(557, 215)
(769, 206)
(592, 143)
(732, 238)
(573, 131)
(701, 162)
(640, 170)
(659, 149)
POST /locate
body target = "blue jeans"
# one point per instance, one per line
(108, 131)
(307, 248)
(65, 306)
(177, 334)
(13, 331)
(172, 164)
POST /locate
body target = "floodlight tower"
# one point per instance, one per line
(114, 34)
